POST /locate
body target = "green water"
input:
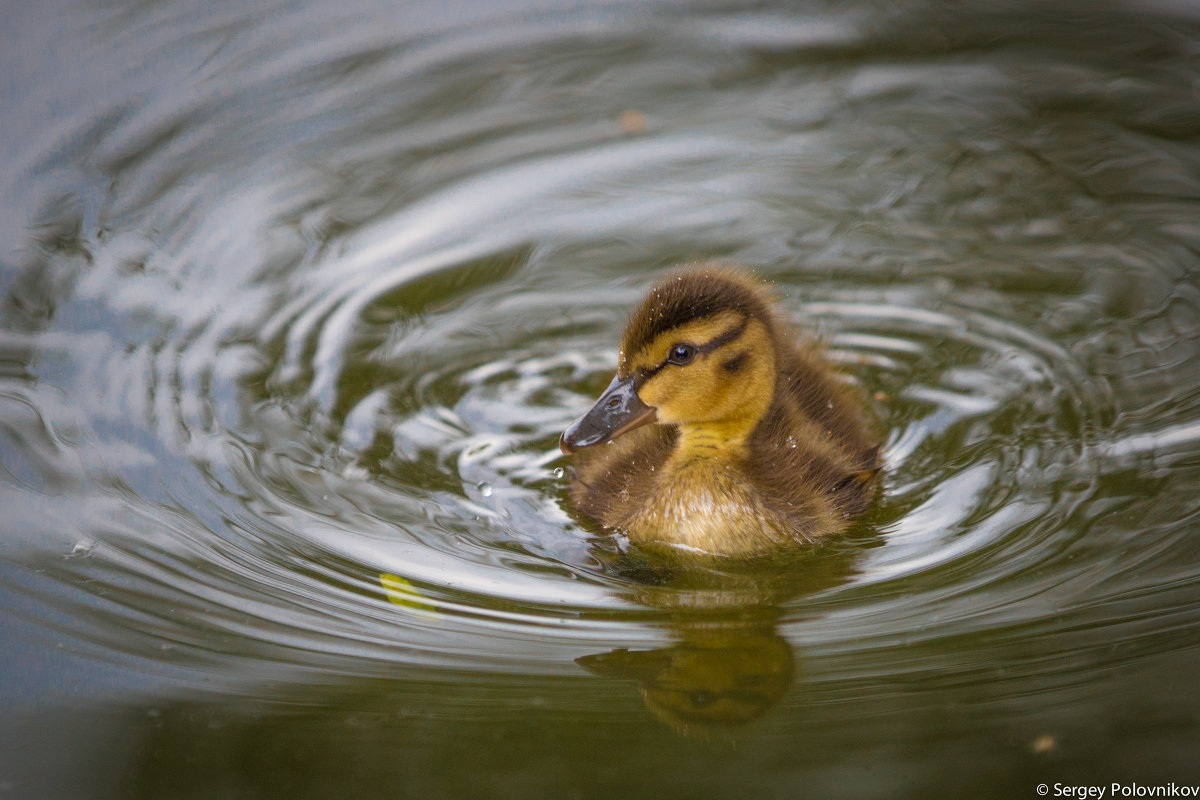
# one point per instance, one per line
(295, 300)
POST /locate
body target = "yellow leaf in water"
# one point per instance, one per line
(403, 593)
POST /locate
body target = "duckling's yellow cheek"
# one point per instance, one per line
(677, 395)
(657, 393)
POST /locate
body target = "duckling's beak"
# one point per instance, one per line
(619, 410)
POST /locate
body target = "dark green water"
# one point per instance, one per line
(295, 299)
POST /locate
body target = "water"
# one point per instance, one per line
(296, 300)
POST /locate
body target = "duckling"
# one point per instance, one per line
(722, 434)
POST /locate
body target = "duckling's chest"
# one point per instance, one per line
(708, 505)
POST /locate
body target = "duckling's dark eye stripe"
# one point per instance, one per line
(718, 341)
(724, 338)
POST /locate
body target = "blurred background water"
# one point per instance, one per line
(296, 297)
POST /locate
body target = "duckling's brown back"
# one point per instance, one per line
(815, 454)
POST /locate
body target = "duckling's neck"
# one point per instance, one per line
(712, 441)
(716, 441)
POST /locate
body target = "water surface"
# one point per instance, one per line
(295, 301)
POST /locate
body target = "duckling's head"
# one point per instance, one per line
(699, 352)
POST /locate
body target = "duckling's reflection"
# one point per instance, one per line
(729, 664)
(718, 675)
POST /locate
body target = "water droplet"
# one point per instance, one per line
(558, 472)
(484, 488)
(83, 549)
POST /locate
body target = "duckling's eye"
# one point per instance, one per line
(681, 354)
